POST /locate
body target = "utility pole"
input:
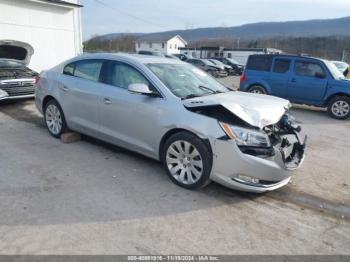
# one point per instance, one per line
(344, 55)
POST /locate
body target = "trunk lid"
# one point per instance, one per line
(16, 51)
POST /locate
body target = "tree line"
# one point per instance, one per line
(332, 47)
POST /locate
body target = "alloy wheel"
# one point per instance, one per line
(184, 162)
(340, 108)
(53, 119)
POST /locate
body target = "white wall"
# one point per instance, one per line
(170, 47)
(53, 31)
(173, 46)
(145, 46)
(240, 56)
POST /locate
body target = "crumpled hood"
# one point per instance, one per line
(255, 109)
(16, 50)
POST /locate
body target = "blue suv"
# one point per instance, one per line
(302, 80)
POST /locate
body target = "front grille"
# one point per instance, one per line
(14, 89)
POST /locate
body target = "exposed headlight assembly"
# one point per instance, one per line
(245, 136)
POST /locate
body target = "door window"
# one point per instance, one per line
(281, 66)
(88, 69)
(308, 69)
(122, 75)
(69, 69)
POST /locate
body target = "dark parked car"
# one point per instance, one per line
(16, 79)
(151, 53)
(207, 66)
(227, 68)
(300, 79)
(237, 67)
(183, 57)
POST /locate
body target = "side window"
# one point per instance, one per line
(308, 69)
(260, 63)
(122, 75)
(281, 66)
(69, 69)
(88, 69)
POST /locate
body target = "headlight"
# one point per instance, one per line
(246, 137)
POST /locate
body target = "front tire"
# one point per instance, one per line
(54, 119)
(257, 90)
(339, 107)
(187, 160)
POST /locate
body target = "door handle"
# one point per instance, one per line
(65, 89)
(107, 101)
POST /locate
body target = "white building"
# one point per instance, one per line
(51, 27)
(165, 45)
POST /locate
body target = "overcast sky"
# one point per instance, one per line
(125, 16)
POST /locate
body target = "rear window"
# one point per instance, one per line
(259, 63)
(85, 69)
(69, 69)
(88, 69)
(281, 66)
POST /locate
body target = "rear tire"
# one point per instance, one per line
(339, 107)
(257, 90)
(187, 160)
(54, 119)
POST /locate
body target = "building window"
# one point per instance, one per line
(163, 45)
(229, 55)
(194, 54)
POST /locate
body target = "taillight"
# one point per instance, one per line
(37, 79)
(242, 79)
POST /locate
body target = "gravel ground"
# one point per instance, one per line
(93, 198)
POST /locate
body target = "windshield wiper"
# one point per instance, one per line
(190, 96)
(211, 90)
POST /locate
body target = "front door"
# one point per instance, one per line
(129, 119)
(308, 82)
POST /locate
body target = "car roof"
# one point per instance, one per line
(135, 58)
(291, 56)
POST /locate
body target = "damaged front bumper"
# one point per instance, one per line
(254, 172)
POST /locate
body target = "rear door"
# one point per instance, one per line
(80, 95)
(279, 76)
(308, 81)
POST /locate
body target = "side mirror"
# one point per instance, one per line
(140, 89)
(320, 75)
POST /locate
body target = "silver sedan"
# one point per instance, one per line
(173, 112)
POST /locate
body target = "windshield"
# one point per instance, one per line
(10, 64)
(334, 70)
(341, 66)
(185, 80)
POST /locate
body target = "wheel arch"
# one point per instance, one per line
(327, 101)
(46, 100)
(260, 85)
(174, 131)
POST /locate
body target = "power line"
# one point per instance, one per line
(128, 14)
